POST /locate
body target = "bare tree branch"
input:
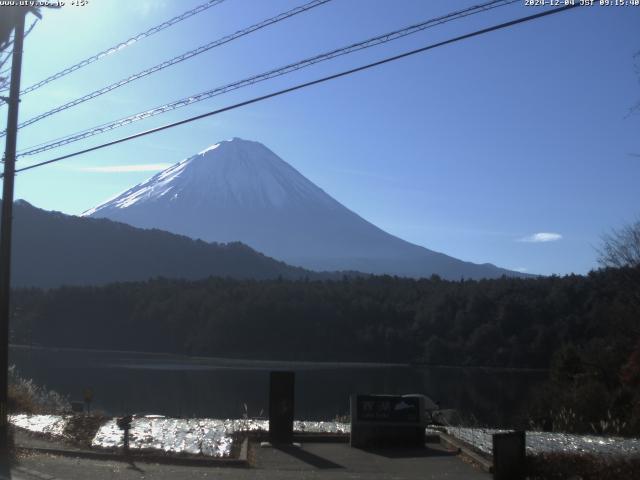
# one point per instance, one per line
(621, 248)
(28, 31)
(4, 75)
(2, 62)
(5, 46)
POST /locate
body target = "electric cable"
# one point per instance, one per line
(173, 61)
(306, 84)
(120, 46)
(380, 39)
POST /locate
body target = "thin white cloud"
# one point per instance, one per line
(542, 237)
(520, 269)
(146, 167)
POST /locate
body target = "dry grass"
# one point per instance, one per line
(564, 466)
(27, 397)
(20, 400)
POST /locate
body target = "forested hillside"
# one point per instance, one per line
(503, 322)
(51, 249)
(585, 327)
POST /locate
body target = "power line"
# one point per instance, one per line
(183, 102)
(122, 45)
(175, 60)
(306, 84)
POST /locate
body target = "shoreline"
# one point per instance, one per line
(234, 361)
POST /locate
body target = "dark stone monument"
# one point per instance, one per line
(509, 456)
(281, 407)
(388, 421)
(124, 423)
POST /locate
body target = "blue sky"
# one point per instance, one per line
(515, 148)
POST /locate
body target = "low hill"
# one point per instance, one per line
(52, 249)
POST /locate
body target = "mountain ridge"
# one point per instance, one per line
(239, 190)
(51, 249)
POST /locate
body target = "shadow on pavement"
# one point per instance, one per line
(409, 452)
(5, 471)
(133, 466)
(307, 457)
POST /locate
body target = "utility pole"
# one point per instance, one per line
(5, 225)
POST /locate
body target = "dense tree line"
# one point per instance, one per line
(585, 327)
(504, 322)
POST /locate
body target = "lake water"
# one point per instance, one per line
(177, 386)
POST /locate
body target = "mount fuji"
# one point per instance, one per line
(239, 190)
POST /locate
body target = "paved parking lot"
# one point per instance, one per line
(310, 461)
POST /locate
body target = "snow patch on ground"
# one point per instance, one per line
(544, 442)
(196, 436)
(47, 424)
(213, 437)
(193, 436)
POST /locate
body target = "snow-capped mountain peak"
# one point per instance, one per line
(232, 172)
(239, 190)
